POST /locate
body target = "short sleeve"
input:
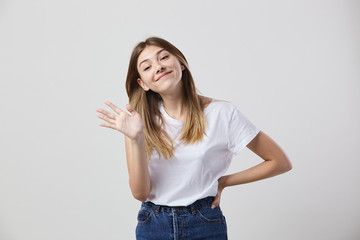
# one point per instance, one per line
(240, 131)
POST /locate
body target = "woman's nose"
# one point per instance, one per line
(160, 68)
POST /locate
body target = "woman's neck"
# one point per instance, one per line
(174, 107)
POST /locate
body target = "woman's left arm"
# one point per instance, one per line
(275, 162)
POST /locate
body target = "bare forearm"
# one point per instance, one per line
(139, 178)
(261, 171)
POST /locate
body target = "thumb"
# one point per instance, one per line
(130, 109)
(216, 201)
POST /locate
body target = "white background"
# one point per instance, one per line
(292, 67)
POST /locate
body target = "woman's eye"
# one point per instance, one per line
(164, 57)
(146, 68)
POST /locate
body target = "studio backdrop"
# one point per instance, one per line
(291, 67)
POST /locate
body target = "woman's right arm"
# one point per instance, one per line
(139, 178)
(131, 125)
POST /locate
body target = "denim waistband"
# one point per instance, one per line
(197, 205)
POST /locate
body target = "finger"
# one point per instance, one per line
(114, 107)
(105, 118)
(107, 125)
(108, 114)
(129, 108)
(216, 202)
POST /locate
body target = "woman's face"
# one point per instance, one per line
(159, 70)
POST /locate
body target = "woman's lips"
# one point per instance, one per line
(163, 75)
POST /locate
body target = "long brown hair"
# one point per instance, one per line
(146, 103)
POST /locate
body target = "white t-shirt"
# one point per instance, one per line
(194, 170)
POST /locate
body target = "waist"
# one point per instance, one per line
(197, 205)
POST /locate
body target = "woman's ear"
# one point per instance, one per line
(142, 84)
(182, 67)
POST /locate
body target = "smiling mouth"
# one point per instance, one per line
(164, 75)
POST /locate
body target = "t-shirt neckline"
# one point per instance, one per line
(168, 117)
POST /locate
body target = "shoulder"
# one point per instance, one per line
(222, 105)
(220, 109)
(207, 101)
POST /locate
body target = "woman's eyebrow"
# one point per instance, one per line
(148, 59)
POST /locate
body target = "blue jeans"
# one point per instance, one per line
(196, 221)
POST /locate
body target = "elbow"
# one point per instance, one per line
(140, 191)
(140, 197)
(290, 166)
(281, 165)
(286, 165)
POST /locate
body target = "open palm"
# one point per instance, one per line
(129, 124)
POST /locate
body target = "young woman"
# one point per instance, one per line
(179, 145)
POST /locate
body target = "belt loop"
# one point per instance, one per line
(156, 209)
(193, 209)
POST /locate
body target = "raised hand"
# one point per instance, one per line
(129, 124)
